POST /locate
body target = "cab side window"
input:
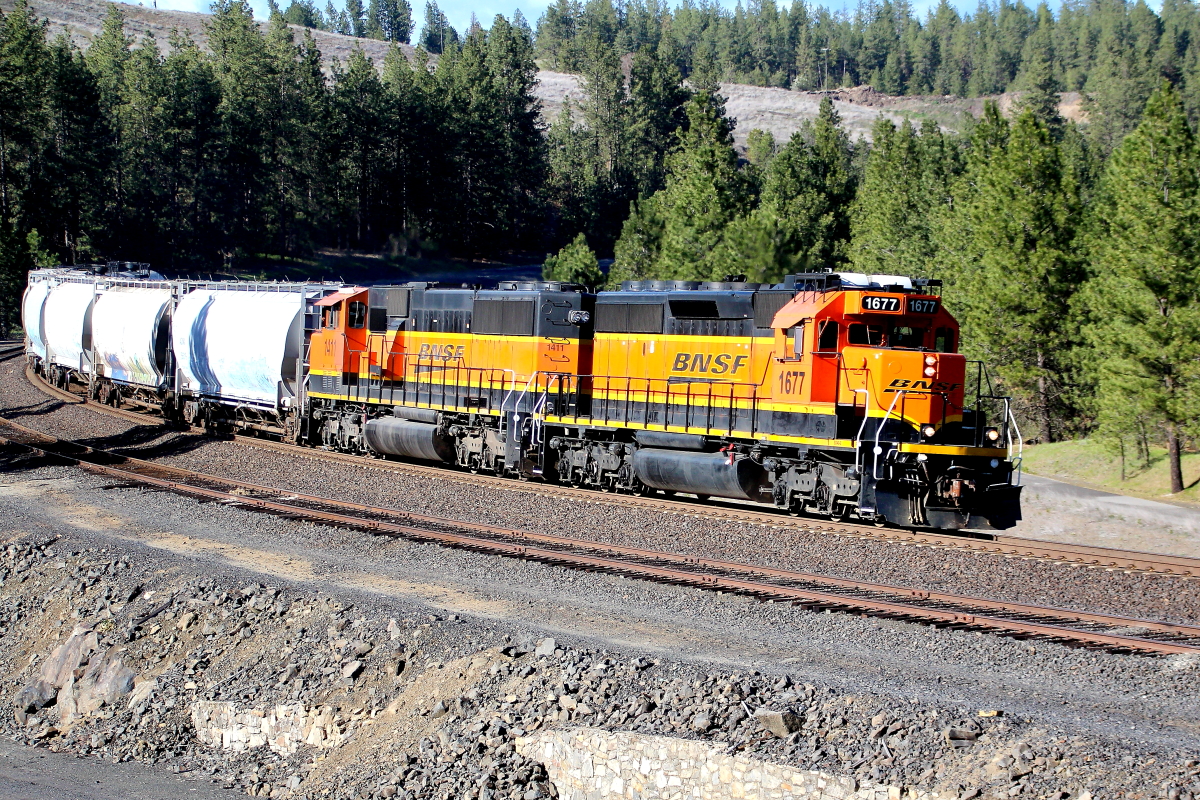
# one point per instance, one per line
(356, 315)
(943, 340)
(827, 336)
(333, 315)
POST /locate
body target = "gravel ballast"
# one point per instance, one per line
(258, 610)
(1143, 595)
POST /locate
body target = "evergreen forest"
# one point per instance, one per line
(1069, 251)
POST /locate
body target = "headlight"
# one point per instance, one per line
(929, 431)
(930, 361)
(992, 434)
(930, 372)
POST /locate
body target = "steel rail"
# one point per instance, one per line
(1076, 555)
(798, 587)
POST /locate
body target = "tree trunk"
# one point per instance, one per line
(1043, 399)
(1174, 458)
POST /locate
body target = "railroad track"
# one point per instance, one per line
(1075, 555)
(812, 591)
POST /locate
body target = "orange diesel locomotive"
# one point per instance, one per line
(831, 393)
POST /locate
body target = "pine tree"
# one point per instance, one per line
(834, 182)
(1015, 220)
(575, 263)
(359, 101)
(356, 16)
(192, 156)
(373, 25)
(250, 112)
(657, 98)
(890, 219)
(1037, 80)
(394, 19)
(592, 174)
(760, 147)
(77, 160)
(24, 94)
(704, 193)
(1143, 298)
(636, 253)
(437, 36)
(802, 220)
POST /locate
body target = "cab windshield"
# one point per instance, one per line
(889, 334)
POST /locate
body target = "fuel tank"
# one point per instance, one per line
(698, 473)
(402, 437)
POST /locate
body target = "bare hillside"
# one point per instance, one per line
(782, 112)
(779, 111)
(82, 20)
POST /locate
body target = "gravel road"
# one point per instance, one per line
(35, 773)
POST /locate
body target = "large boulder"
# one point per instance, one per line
(780, 723)
(35, 696)
(69, 656)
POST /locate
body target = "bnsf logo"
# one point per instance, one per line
(720, 364)
(442, 351)
(929, 386)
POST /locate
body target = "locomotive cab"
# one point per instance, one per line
(882, 351)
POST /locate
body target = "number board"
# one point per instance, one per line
(875, 302)
(922, 305)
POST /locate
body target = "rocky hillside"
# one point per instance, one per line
(779, 111)
(83, 20)
(292, 691)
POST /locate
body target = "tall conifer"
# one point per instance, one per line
(1143, 300)
(1018, 264)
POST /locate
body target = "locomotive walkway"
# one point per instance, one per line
(812, 591)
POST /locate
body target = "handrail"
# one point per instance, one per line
(879, 430)
(861, 428)
(1020, 442)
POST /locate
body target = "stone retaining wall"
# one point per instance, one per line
(593, 764)
(283, 728)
